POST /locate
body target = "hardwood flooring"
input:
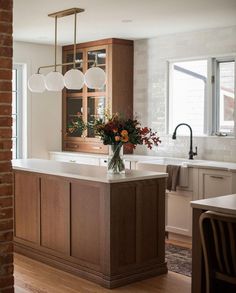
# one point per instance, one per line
(35, 277)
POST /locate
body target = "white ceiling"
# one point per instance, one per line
(129, 19)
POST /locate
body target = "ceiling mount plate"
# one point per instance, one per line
(66, 12)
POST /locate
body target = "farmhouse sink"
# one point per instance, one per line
(160, 165)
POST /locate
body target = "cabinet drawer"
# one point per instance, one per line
(87, 147)
(214, 183)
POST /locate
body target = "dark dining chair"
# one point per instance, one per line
(218, 237)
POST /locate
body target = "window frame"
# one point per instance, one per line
(19, 109)
(211, 113)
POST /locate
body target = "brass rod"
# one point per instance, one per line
(75, 31)
(55, 66)
(68, 63)
(66, 12)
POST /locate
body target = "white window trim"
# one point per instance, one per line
(21, 110)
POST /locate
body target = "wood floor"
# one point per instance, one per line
(35, 277)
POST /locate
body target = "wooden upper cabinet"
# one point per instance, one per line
(115, 57)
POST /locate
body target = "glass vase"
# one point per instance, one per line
(116, 164)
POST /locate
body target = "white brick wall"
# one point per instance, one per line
(150, 87)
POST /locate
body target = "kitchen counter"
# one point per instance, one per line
(109, 229)
(83, 172)
(222, 204)
(226, 166)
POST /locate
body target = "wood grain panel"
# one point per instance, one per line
(123, 223)
(85, 222)
(55, 210)
(27, 206)
(147, 216)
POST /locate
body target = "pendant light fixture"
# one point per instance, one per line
(74, 79)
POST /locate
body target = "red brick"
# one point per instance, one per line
(6, 213)
(6, 282)
(5, 15)
(6, 40)
(5, 86)
(6, 28)
(6, 98)
(6, 225)
(5, 167)
(5, 145)
(5, 63)
(5, 110)
(8, 290)
(6, 202)
(6, 51)
(6, 189)
(5, 74)
(5, 121)
(6, 236)
(5, 132)
(6, 4)
(5, 156)
(6, 247)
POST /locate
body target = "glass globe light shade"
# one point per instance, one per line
(36, 83)
(74, 79)
(95, 78)
(54, 81)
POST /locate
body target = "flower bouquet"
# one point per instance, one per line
(117, 131)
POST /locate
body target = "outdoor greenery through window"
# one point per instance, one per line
(202, 94)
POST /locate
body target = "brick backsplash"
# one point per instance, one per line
(6, 189)
(150, 88)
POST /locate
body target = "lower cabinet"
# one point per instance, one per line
(214, 183)
(179, 212)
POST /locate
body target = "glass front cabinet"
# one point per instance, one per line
(115, 57)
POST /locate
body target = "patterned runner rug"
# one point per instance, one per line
(179, 259)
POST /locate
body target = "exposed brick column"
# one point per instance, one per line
(6, 197)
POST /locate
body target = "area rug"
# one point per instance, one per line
(179, 259)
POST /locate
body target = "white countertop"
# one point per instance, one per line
(222, 204)
(226, 166)
(83, 172)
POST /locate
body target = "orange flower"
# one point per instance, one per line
(125, 138)
(117, 138)
(124, 133)
(115, 130)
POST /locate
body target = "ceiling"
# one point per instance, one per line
(129, 19)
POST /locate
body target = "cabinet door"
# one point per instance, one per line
(27, 207)
(179, 212)
(55, 214)
(214, 183)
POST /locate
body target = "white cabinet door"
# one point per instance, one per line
(103, 162)
(75, 158)
(214, 183)
(179, 212)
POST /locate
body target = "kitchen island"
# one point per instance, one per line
(109, 229)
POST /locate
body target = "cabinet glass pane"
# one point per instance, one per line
(96, 110)
(74, 110)
(69, 58)
(98, 56)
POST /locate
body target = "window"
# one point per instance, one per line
(201, 93)
(17, 105)
(225, 93)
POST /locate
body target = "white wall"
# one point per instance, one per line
(150, 87)
(44, 112)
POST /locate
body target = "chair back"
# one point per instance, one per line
(218, 237)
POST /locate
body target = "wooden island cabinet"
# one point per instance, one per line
(108, 229)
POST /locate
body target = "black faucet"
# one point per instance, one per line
(191, 153)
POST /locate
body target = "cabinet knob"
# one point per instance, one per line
(73, 161)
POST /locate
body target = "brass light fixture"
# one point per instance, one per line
(74, 79)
